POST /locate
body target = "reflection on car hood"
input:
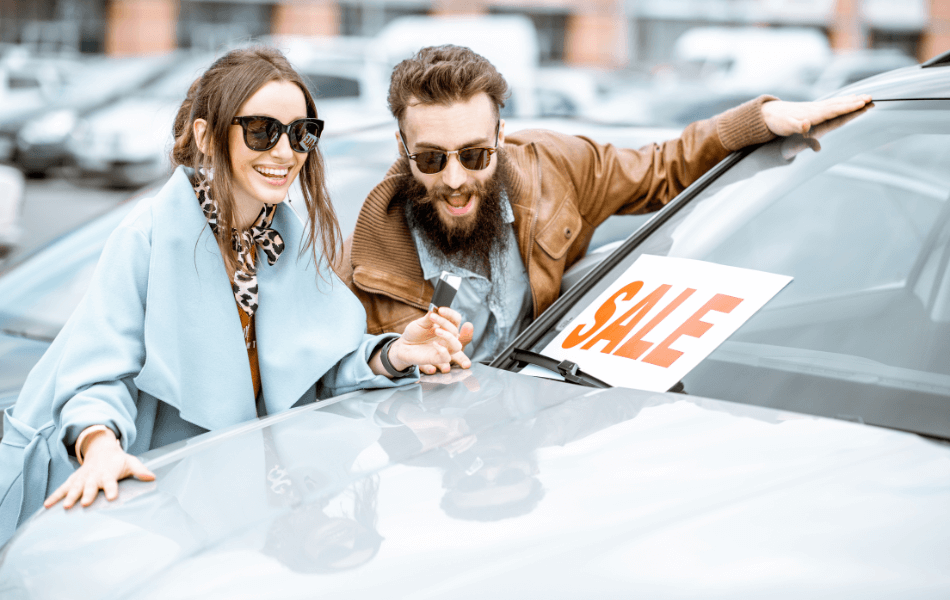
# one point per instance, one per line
(489, 483)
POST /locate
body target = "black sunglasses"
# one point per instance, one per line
(433, 161)
(263, 133)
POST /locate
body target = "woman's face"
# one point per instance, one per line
(264, 177)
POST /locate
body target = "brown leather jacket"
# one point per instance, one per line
(562, 188)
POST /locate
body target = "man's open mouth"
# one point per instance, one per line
(452, 204)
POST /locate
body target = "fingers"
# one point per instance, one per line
(56, 496)
(460, 359)
(451, 315)
(450, 341)
(138, 470)
(444, 323)
(111, 489)
(466, 333)
(89, 492)
(75, 490)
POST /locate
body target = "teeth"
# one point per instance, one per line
(272, 172)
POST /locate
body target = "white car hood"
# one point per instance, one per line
(626, 494)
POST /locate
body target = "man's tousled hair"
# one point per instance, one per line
(443, 75)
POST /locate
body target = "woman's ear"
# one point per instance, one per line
(200, 129)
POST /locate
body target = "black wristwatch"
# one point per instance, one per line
(384, 358)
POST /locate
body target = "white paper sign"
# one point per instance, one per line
(661, 318)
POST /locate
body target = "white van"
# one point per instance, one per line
(754, 57)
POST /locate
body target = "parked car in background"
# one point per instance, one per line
(127, 142)
(715, 68)
(810, 457)
(26, 83)
(42, 133)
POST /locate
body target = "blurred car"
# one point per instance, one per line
(42, 132)
(753, 57)
(715, 68)
(851, 67)
(11, 200)
(127, 142)
(26, 83)
(491, 482)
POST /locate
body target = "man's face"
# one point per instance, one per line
(467, 124)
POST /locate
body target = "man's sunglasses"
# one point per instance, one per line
(263, 133)
(433, 161)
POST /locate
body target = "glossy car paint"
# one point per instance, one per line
(622, 492)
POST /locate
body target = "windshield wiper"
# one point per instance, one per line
(567, 369)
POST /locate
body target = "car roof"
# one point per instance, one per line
(928, 81)
(625, 490)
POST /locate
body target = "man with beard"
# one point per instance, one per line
(510, 215)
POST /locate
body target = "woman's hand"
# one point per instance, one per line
(104, 466)
(431, 341)
(465, 333)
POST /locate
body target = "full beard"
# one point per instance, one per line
(481, 244)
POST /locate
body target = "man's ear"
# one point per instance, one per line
(200, 130)
(501, 132)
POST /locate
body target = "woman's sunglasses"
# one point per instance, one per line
(433, 161)
(263, 133)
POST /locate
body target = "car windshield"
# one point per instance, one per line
(859, 218)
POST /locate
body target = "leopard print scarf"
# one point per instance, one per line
(259, 234)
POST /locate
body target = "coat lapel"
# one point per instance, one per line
(195, 356)
(305, 323)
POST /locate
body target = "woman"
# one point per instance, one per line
(186, 327)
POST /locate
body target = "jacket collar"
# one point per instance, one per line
(383, 252)
(196, 358)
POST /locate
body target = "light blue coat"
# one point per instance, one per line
(156, 351)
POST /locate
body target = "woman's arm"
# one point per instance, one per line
(95, 406)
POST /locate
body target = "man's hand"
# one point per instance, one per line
(104, 466)
(788, 118)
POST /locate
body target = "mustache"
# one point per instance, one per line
(443, 192)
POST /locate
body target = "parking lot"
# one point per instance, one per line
(53, 206)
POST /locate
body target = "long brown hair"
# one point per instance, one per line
(216, 97)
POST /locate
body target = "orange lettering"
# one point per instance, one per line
(664, 356)
(635, 346)
(602, 315)
(614, 333)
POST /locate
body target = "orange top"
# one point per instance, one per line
(250, 340)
